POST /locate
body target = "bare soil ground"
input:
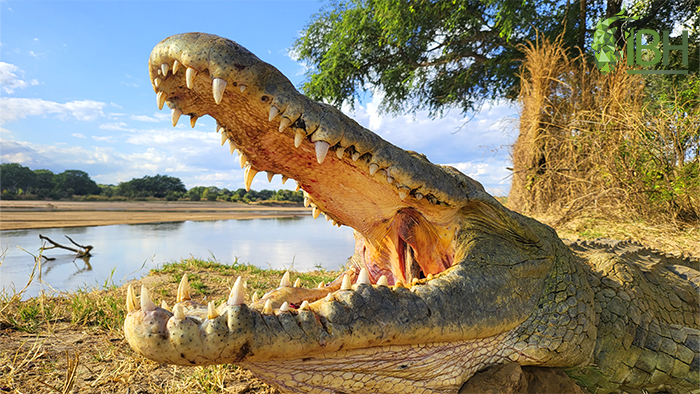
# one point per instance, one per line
(44, 214)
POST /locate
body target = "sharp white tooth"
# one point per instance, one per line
(160, 99)
(160, 72)
(284, 123)
(390, 179)
(218, 86)
(273, 112)
(270, 174)
(243, 160)
(403, 192)
(146, 303)
(363, 277)
(176, 113)
(328, 218)
(304, 306)
(131, 300)
(242, 87)
(329, 297)
(315, 212)
(165, 69)
(211, 311)
(189, 77)
(333, 222)
(347, 283)
(339, 152)
(237, 296)
(193, 120)
(179, 312)
(321, 150)
(299, 138)
(419, 196)
(321, 285)
(183, 290)
(156, 82)
(254, 298)
(164, 305)
(373, 169)
(224, 138)
(285, 282)
(176, 66)
(231, 146)
(355, 156)
(267, 308)
(248, 176)
(306, 202)
(284, 179)
(284, 307)
(383, 281)
(297, 283)
(298, 187)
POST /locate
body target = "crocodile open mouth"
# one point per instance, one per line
(403, 221)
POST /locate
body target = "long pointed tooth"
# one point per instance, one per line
(176, 113)
(315, 212)
(297, 283)
(157, 82)
(248, 176)
(285, 282)
(131, 300)
(231, 146)
(254, 298)
(146, 303)
(160, 99)
(298, 187)
(306, 202)
(390, 179)
(179, 312)
(211, 311)
(339, 152)
(284, 179)
(363, 277)
(403, 192)
(267, 308)
(304, 306)
(176, 66)
(164, 305)
(224, 138)
(193, 120)
(189, 77)
(284, 307)
(299, 138)
(243, 160)
(165, 68)
(356, 156)
(333, 222)
(321, 285)
(237, 296)
(347, 283)
(419, 196)
(329, 297)
(383, 281)
(270, 175)
(218, 86)
(284, 123)
(183, 290)
(242, 87)
(273, 112)
(373, 169)
(321, 150)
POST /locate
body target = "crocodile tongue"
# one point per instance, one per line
(401, 206)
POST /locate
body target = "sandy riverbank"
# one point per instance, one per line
(15, 215)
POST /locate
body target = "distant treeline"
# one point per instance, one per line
(20, 182)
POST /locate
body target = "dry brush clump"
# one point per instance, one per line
(602, 144)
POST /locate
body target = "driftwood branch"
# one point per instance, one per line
(83, 252)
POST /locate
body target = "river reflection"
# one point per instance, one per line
(124, 252)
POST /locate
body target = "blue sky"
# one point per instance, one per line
(75, 94)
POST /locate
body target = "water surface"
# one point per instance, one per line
(123, 252)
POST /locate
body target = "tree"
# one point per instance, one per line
(77, 181)
(15, 177)
(151, 186)
(444, 54)
(45, 179)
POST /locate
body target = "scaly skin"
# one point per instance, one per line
(444, 280)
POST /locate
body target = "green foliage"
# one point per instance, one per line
(151, 186)
(15, 177)
(77, 181)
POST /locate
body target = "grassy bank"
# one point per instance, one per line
(74, 342)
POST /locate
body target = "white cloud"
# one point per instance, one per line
(146, 118)
(19, 108)
(9, 79)
(78, 135)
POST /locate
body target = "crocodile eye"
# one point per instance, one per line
(264, 99)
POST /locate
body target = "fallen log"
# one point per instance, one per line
(83, 252)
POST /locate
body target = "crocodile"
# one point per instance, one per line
(444, 281)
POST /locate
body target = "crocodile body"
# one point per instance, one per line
(444, 282)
